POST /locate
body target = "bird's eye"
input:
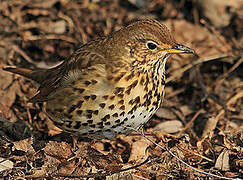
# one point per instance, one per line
(151, 45)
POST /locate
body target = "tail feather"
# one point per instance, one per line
(36, 75)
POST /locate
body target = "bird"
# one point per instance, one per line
(111, 85)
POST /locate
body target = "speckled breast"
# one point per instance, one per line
(102, 106)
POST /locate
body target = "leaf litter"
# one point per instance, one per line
(200, 120)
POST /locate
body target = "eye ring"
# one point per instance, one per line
(151, 45)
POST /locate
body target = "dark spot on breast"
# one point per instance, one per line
(95, 112)
(145, 96)
(130, 76)
(79, 104)
(93, 97)
(117, 121)
(154, 87)
(150, 93)
(131, 102)
(125, 119)
(90, 121)
(70, 110)
(148, 102)
(162, 94)
(105, 97)
(84, 134)
(121, 102)
(80, 90)
(108, 123)
(89, 111)
(91, 131)
(120, 95)
(142, 81)
(128, 91)
(146, 88)
(143, 62)
(86, 97)
(122, 113)
(118, 90)
(112, 97)
(89, 116)
(155, 103)
(120, 76)
(93, 81)
(107, 130)
(101, 126)
(130, 112)
(77, 125)
(137, 99)
(134, 108)
(156, 93)
(114, 126)
(92, 126)
(115, 115)
(58, 123)
(102, 105)
(87, 83)
(133, 85)
(147, 79)
(111, 106)
(84, 124)
(79, 112)
(122, 107)
(163, 80)
(151, 109)
(100, 123)
(132, 117)
(69, 124)
(106, 117)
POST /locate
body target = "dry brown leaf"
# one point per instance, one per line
(222, 162)
(5, 164)
(172, 126)
(165, 113)
(24, 145)
(138, 152)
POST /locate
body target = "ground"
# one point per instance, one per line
(200, 121)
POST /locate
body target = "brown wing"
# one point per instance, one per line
(81, 59)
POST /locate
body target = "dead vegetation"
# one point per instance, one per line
(200, 120)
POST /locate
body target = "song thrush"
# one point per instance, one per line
(108, 84)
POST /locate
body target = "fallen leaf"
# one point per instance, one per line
(222, 162)
(5, 164)
(173, 126)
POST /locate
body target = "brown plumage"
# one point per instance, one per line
(108, 84)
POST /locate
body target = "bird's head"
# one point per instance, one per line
(145, 41)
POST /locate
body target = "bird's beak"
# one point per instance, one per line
(178, 48)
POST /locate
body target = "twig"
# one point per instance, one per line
(23, 54)
(183, 162)
(217, 35)
(222, 77)
(193, 63)
(199, 80)
(189, 124)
